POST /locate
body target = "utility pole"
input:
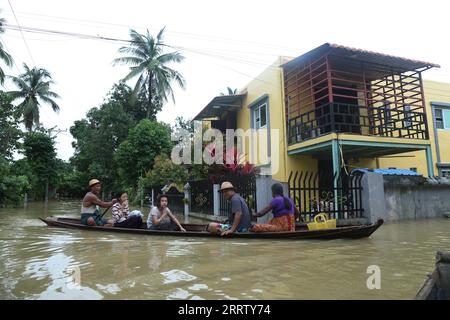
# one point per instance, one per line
(49, 133)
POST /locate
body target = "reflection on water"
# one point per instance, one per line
(39, 262)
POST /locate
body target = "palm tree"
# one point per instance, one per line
(4, 56)
(34, 89)
(147, 60)
(230, 92)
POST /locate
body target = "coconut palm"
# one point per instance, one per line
(147, 60)
(230, 92)
(4, 56)
(34, 88)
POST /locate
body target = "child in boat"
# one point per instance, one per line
(283, 210)
(121, 213)
(160, 217)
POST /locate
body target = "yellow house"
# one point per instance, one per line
(334, 109)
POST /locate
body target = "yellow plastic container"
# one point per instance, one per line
(321, 222)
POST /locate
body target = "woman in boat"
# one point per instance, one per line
(283, 210)
(160, 217)
(121, 213)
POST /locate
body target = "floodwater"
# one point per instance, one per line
(40, 262)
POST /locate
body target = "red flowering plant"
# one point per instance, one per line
(233, 163)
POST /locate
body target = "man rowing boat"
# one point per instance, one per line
(90, 211)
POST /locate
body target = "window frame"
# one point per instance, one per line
(445, 173)
(441, 118)
(257, 116)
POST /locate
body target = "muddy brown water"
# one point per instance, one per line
(40, 262)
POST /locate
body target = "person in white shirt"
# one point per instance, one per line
(160, 217)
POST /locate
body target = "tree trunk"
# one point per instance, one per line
(25, 200)
(149, 107)
(46, 191)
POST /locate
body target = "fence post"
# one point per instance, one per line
(187, 201)
(216, 199)
(263, 196)
(153, 197)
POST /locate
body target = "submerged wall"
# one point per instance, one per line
(394, 198)
(416, 197)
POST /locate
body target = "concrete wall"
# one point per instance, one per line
(413, 198)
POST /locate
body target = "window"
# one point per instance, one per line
(408, 115)
(413, 169)
(260, 116)
(445, 173)
(439, 119)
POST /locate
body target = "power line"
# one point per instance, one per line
(210, 53)
(23, 37)
(184, 34)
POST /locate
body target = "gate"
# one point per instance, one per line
(315, 192)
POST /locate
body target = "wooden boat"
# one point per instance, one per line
(199, 230)
(437, 284)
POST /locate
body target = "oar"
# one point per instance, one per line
(105, 212)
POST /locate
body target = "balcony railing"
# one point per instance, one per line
(348, 118)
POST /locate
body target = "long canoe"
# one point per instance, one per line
(437, 284)
(199, 230)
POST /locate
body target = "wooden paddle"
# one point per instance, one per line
(105, 212)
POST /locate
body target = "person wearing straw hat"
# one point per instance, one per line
(90, 211)
(239, 216)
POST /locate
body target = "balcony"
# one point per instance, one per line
(337, 89)
(357, 119)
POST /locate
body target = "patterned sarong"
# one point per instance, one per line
(283, 223)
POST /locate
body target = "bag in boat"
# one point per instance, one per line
(321, 222)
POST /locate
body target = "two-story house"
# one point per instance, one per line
(334, 109)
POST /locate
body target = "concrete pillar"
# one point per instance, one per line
(430, 165)
(373, 196)
(335, 153)
(216, 199)
(187, 201)
(264, 195)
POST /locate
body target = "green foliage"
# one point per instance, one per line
(34, 88)
(165, 171)
(99, 135)
(12, 186)
(136, 155)
(4, 56)
(9, 127)
(147, 60)
(71, 182)
(41, 158)
(229, 92)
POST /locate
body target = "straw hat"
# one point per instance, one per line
(92, 182)
(226, 186)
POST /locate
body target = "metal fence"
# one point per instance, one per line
(349, 118)
(315, 192)
(174, 197)
(245, 186)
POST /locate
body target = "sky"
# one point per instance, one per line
(226, 43)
